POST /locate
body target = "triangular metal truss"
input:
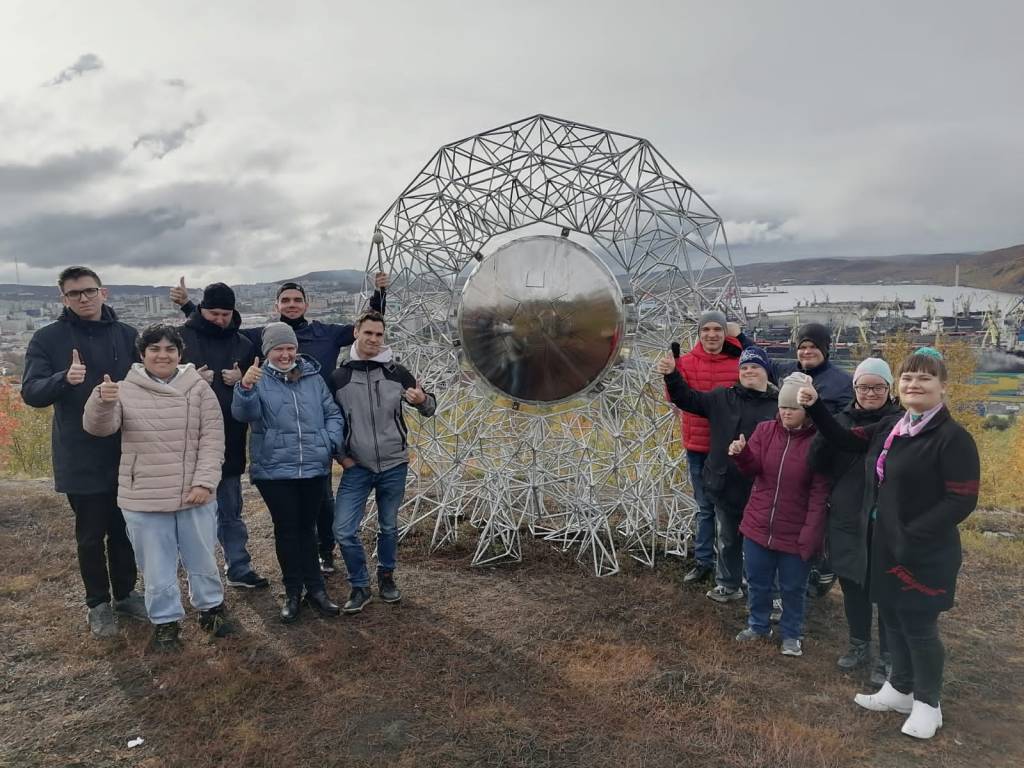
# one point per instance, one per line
(603, 466)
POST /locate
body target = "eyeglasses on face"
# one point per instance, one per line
(88, 293)
(875, 389)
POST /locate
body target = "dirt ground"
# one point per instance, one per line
(538, 664)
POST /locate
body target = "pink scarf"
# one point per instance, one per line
(905, 427)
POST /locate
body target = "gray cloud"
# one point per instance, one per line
(60, 173)
(162, 143)
(87, 62)
(175, 82)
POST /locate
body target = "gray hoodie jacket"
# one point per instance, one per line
(369, 393)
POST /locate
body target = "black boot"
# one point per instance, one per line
(857, 655)
(359, 597)
(387, 588)
(322, 603)
(216, 622)
(290, 609)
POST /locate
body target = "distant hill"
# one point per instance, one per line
(352, 279)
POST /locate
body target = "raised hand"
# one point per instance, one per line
(737, 446)
(252, 375)
(231, 376)
(179, 293)
(76, 371)
(198, 495)
(415, 395)
(110, 391)
(665, 366)
(380, 280)
(807, 396)
(206, 373)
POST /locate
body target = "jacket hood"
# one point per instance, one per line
(304, 364)
(107, 316)
(200, 324)
(384, 356)
(187, 378)
(302, 322)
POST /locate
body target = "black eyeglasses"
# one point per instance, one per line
(89, 293)
(875, 389)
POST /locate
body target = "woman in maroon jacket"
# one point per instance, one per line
(784, 520)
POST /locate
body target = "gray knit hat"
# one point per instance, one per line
(276, 334)
(791, 388)
(712, 316)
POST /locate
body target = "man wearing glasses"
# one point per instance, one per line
(65, 361)
(322, 342)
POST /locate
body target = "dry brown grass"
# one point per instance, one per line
(534, 665)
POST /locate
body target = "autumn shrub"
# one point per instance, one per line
(24, 435)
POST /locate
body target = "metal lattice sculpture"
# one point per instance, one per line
(594, 466)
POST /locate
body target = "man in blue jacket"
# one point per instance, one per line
(64, 362)
(833, 385)
(321, 341)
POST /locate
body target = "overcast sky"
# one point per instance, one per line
(255, 140)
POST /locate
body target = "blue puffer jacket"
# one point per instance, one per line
(834, 385)
(296, 426)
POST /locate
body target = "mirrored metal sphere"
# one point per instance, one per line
(541, 319)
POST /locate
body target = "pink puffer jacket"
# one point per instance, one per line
(172, 438)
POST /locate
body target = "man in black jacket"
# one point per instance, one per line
(221, 353)
(63, 364)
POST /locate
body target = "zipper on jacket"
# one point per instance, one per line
(184, 450)
(373, 421)
(778, 481)
(298, 423)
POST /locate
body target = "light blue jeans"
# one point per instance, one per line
(159, 540)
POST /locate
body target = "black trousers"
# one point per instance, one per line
(293, 506)
(859, 611)
(105, 555)
(325, 519)
(917, 653)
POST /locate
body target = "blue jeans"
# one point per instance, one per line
(159, 540)
(231, 530)
(704, 536)
(763, 566)
(350, 506)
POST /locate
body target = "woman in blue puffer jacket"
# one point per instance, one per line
(296, 429)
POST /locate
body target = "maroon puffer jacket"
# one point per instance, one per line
(786, 510)
(704, 372)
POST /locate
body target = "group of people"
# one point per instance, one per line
(151, 432)
(787, 461)
(797, 465)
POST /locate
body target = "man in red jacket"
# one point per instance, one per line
(713, 362)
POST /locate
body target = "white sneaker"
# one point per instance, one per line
(888, 699)
(924, 721)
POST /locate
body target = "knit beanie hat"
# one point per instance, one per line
(817, 334)
(276, 334)
(757, 356)
(712, 316)
(876, 366)
(929, 352)
(218, 296)
(791, 388)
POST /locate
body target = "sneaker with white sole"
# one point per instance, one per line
(749, 635)
(791, 647)
(924, 720)
(250, 580)
(722, 594)
(101, 621)
(888, 699)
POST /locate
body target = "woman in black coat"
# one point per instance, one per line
(849, 525)
(922, 474)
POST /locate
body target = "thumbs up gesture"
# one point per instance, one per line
(415, 395)
(252, 375)
(76, 371)
(231, 376)
(206, 373)
(380, 280)
(665, 366)
(110, 391)
(807, 396)
(737, 446)
(179, 293)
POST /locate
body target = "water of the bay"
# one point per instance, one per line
(953, 298)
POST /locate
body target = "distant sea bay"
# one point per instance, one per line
(952, 298)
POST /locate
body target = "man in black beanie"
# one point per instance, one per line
(221, 354)
(813, 345)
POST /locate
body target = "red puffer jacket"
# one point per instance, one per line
(786, 510)
(704, 372)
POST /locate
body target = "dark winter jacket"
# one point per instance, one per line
(296, 427)
(730, 412)
(847, 518)
(370, 395)
(930, 487)
(704, 372)
(786, 510)
(322, 342)
(833, 385)
(82, 464)
(219, 349)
